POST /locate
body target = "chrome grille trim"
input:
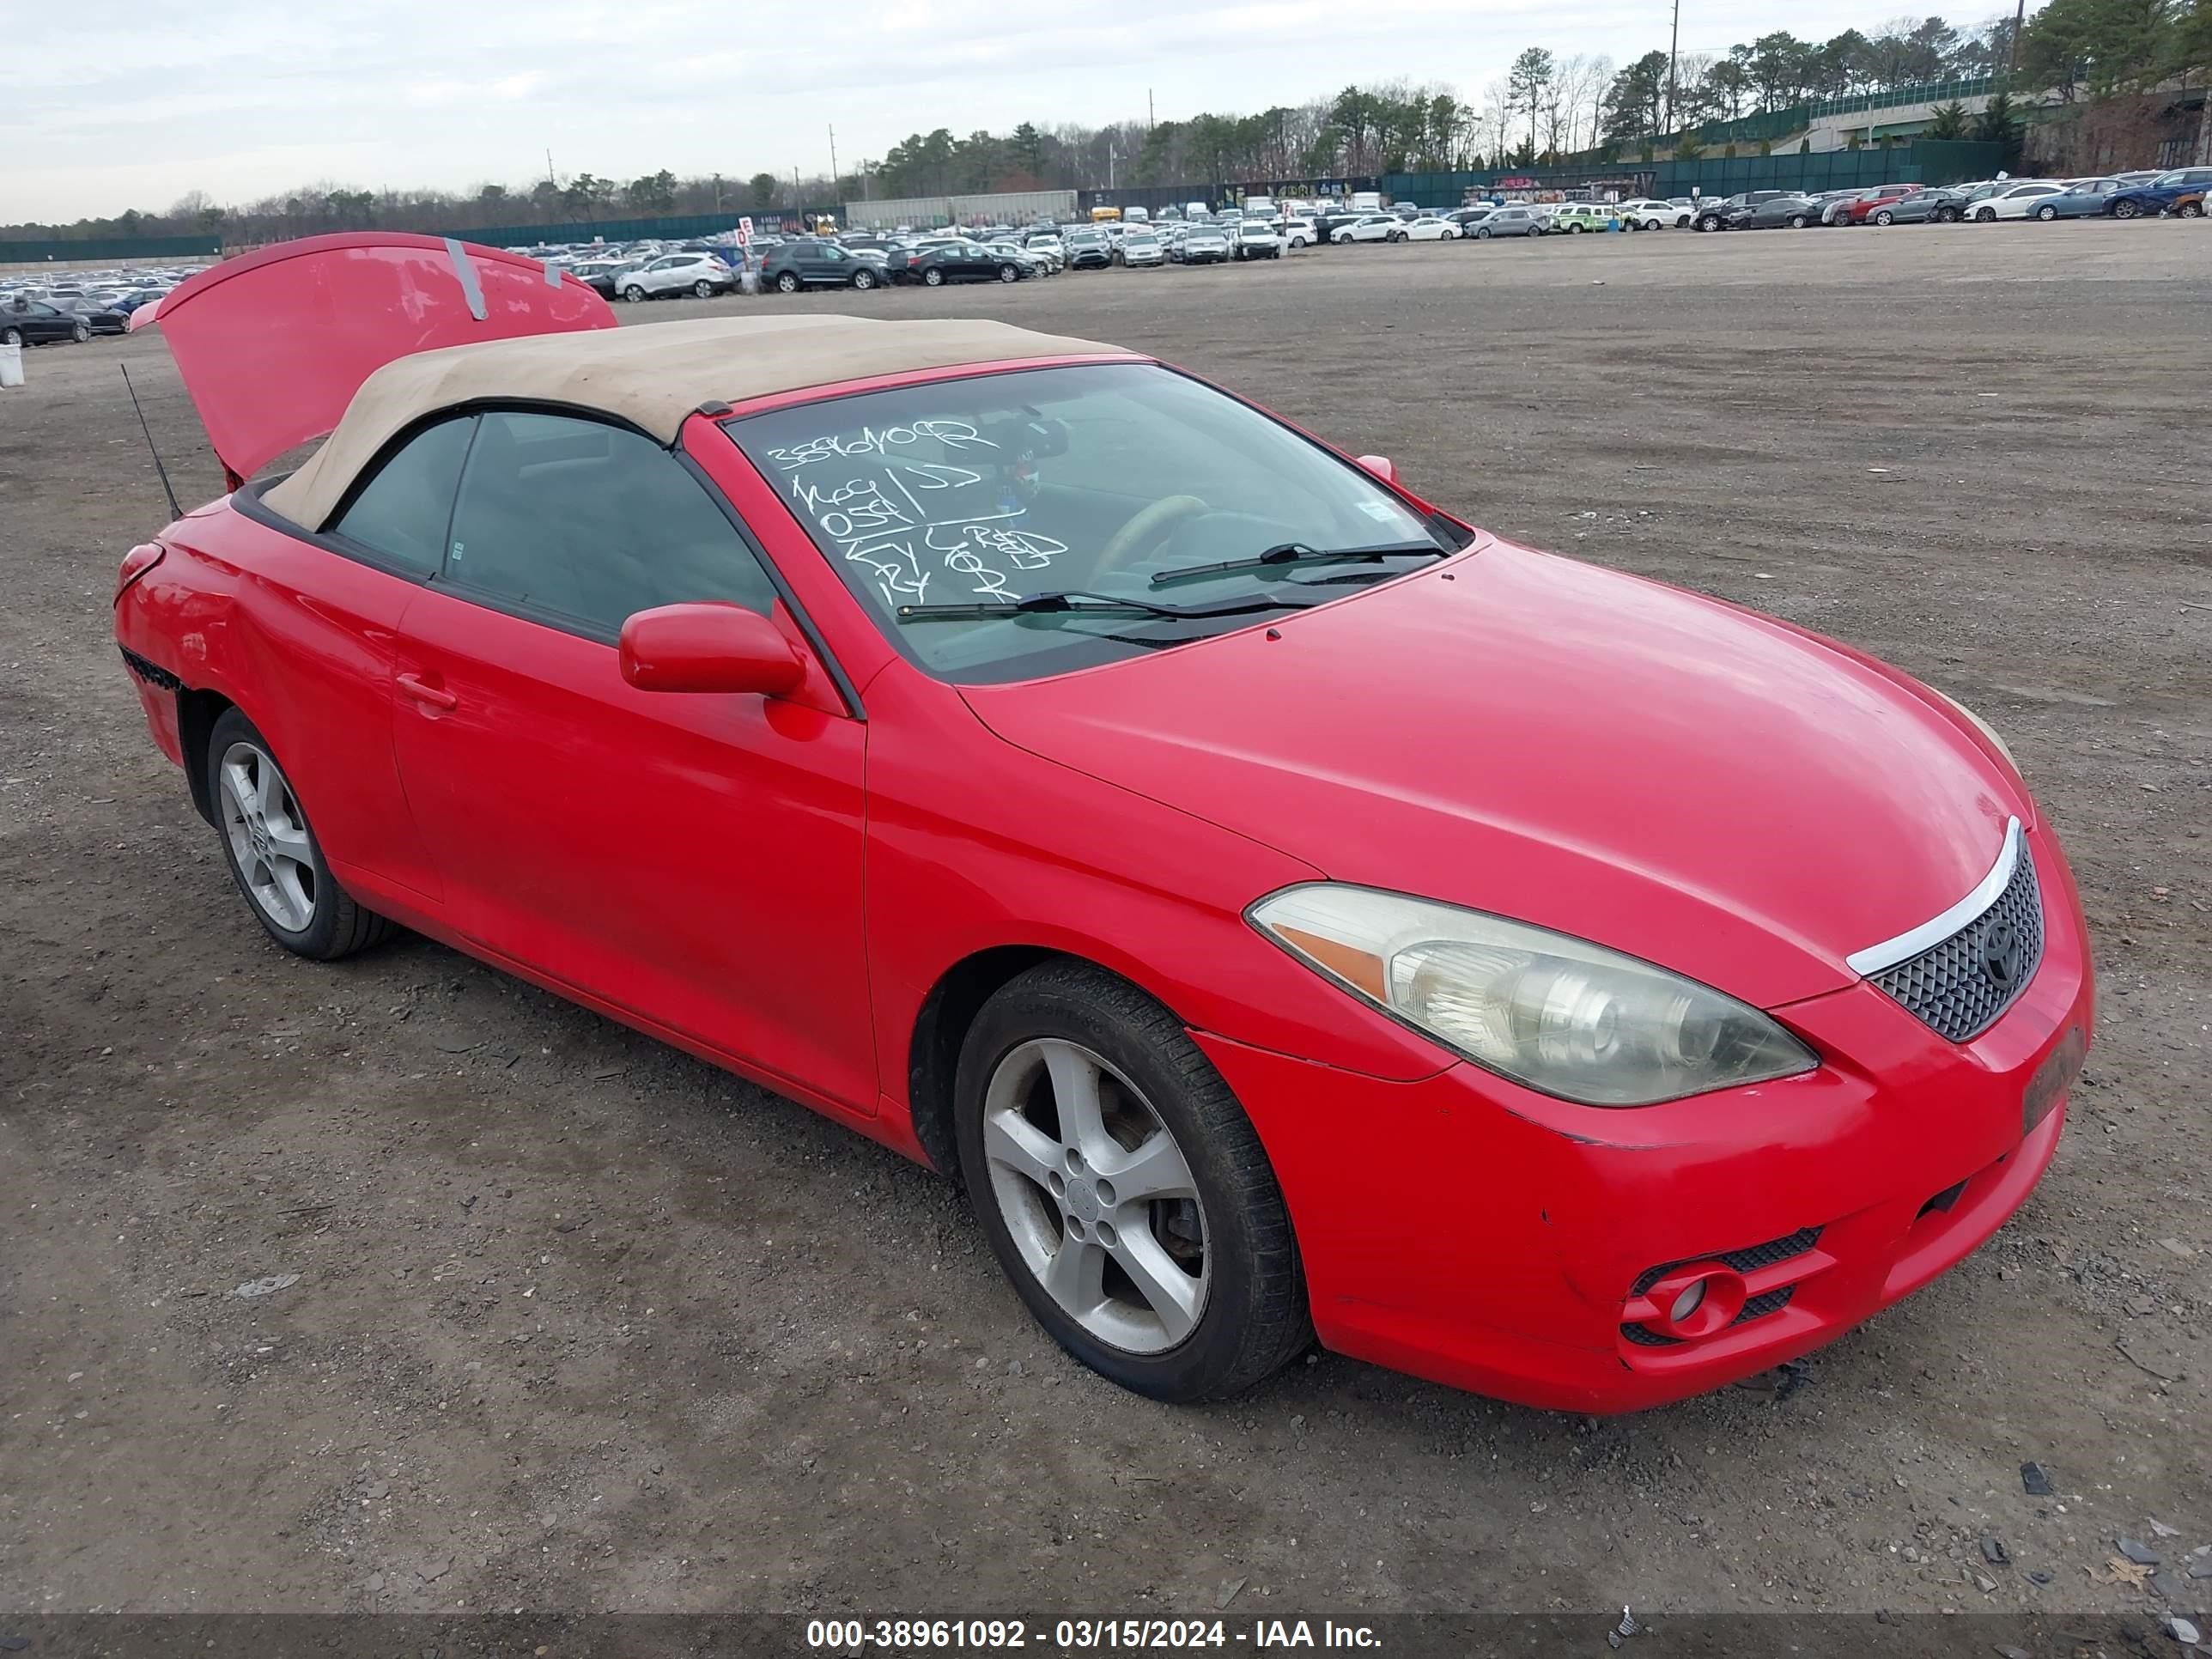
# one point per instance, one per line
(1929, 934)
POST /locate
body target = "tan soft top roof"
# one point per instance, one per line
(652, 376)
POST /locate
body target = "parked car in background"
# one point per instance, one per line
(1772, 213)
(809, 264)
(1575, 217)
(2083, 198)
(98, 315)
(956, 262)
(2016, 200)
(1429, 229)
(1371, 227)
(2160, 195)
(1514, 219)
(604, 275)
(699, 274)
(1735, 212)
(1300, 232)
(2189, 205)
(1920, 207)
(1142, 247)
(1204, 244)
(1256, 240)
(1857, 207)
(40, 322)
(1032, 265)
(1089, 250)
(1650, 212)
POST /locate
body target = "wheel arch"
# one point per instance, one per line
(197, 711)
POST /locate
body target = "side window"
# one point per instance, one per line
(591, 524)
(401, 513)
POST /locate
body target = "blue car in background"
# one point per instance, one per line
(2160, 195)
(2083, 199)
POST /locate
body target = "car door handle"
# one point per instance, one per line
(435, 697)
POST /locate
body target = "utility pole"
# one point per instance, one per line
(549, 179)
(833, 157)
(1111, 155)
(718, 192)
(1674, 41)
(1151, 119)
(2012, 53)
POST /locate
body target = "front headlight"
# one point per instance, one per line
(1560, 1014)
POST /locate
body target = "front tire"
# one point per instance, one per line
(2125, 209)
(1885, 217)
(81, 333)
(13, 337)
(633, 294)
(1709, 224)
(2046, 214)
(272, 852)
(1987, 215)
(1010, 273)
(1798, 221)
(1482, 233)
(1123, 1189)
(2189, 211)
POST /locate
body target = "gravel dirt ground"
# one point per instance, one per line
(580, 1323)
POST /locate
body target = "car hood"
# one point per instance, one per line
(272, 346)
(1576, 748)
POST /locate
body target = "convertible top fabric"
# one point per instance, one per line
(652, 376)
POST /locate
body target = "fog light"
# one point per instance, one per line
(1686, 1303)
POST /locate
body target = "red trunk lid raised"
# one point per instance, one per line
(273, 344)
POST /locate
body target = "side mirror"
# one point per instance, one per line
(710, 646)
(1381, 467)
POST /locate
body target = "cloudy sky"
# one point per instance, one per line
(241, 98)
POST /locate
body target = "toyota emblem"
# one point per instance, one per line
(2000, 956)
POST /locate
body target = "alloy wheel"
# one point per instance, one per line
(268, 837)
(1097, 1197)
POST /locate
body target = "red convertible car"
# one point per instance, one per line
(1515, 972)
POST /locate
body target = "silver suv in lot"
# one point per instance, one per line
(701, 274)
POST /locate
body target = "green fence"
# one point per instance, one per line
(93, 249)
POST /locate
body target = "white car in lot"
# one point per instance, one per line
(1256, 240)
(1141, 247)
(1300, 232)
(1650, 212)
(701, 274)
(2015, 201)
(1428, 229)
(1372, 227)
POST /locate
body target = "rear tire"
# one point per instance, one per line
(864, 280)
(1069, 1032)
(703, 288)
(788, 283)
(13, 337)
(272, 852)
(933, 277)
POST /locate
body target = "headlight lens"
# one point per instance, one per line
(1557, 1013)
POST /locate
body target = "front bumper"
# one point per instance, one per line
(1473, 1232)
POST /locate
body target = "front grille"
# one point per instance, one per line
(1951, 987)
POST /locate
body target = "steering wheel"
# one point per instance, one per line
(1146, 530)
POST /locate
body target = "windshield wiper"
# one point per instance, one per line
(1290, 553)
(1080, 604)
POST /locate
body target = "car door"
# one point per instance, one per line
(693, 859)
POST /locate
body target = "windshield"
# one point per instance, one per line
(1098, 478)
